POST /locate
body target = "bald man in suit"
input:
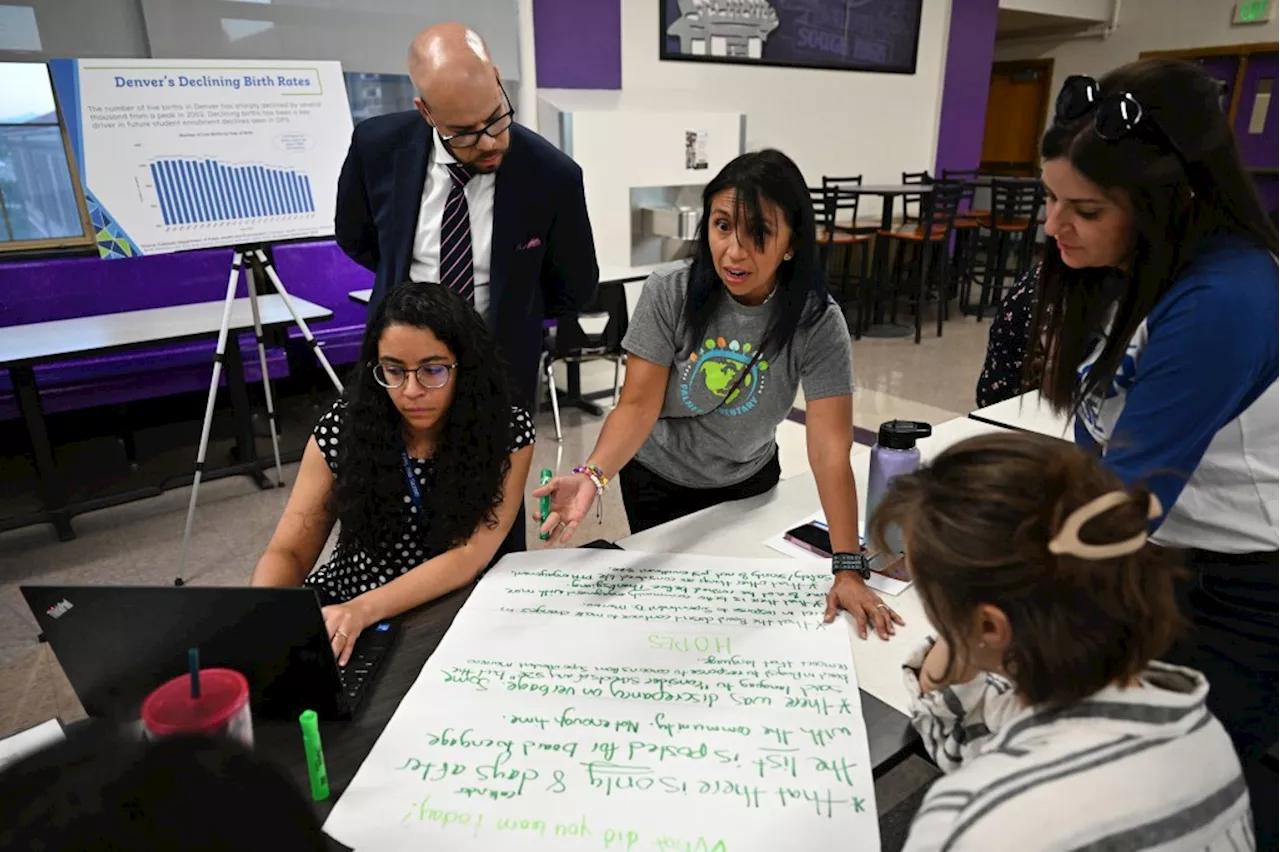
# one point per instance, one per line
(456, 192)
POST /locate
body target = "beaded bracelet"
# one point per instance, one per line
(600, 481)
(594, 473)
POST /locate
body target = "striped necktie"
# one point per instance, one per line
(457, 269)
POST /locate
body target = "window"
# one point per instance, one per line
(378, 94)
(40, 203)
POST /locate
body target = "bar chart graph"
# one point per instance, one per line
(196, 191)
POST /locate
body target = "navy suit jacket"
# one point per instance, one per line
(543, 262)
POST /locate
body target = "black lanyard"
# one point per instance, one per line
(415, 492)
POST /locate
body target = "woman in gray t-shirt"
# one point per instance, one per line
(717, 349)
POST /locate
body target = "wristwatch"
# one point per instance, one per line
(851, 562)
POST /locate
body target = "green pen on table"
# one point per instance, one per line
(315, 755)
(544, 503)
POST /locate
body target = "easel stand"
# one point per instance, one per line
(258, 265)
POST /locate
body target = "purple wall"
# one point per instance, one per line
(970, 49)
(1269, 192)
(578, 43)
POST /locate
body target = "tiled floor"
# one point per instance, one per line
(140, 542)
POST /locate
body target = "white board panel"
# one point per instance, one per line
(177, 155)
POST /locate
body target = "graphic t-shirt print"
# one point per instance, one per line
(1100, 411)
(709, 374)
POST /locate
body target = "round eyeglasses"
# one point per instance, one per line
(427, 376)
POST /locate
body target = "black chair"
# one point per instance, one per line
(831, 205)
(910, 202)
(929, 242)
(971, 179)
(568, 343)
(964, 259)
(1012, 223)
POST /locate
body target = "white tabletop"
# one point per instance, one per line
(70, 337)
(886, 188)
(627, 273)
(607, 274)
(1027, 413)
(740, 528)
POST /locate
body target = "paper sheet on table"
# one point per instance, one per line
(23, 743)
(883, 583)
(616, 585)
(566, 731)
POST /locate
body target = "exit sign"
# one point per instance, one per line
(1253, 12)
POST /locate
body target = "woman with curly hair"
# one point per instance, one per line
(423, 464)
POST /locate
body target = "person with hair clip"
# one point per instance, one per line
(716, 351)
(1157, 317)
(423, 463)
(1042, 697)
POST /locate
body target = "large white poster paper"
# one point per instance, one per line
(549, 731)
(186, 154)
(613, 585)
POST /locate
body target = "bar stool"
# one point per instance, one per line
(929, 242)
(831, 203)
(910, 201)
(964, 265)
(1014, 219)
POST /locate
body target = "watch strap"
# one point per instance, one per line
(851, 562)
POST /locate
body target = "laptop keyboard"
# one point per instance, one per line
(371, 648)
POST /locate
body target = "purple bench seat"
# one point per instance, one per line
(122, 377)
(63, 288)
(320, 272)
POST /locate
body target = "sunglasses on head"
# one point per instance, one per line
(1114, 116)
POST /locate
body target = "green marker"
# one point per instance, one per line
(544, 504)
(315, 755)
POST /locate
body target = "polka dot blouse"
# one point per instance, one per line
(353, 571)
(1002, 372)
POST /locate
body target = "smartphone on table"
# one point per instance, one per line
(816, 538)
(813, 537)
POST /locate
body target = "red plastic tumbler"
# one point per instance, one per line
(220, 709)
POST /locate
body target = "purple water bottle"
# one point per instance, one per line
(895, 453)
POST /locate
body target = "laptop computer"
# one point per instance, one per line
(118, 643)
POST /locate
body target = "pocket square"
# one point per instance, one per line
(533, 243)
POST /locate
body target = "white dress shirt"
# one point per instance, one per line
(425, 265)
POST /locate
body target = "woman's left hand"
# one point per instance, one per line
(345, 622)
(851, 593)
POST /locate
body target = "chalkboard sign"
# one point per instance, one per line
(847, 35)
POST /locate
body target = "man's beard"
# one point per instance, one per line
(475, 169)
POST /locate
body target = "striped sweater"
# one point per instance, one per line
(1143, 768)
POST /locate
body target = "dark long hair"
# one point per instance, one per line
(1174, 210)
(756, 178)
(472, 457)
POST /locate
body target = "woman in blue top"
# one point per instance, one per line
(1157, 313)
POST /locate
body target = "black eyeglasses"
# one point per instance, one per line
(1114, 116)
(493, 129)
(427, 376)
